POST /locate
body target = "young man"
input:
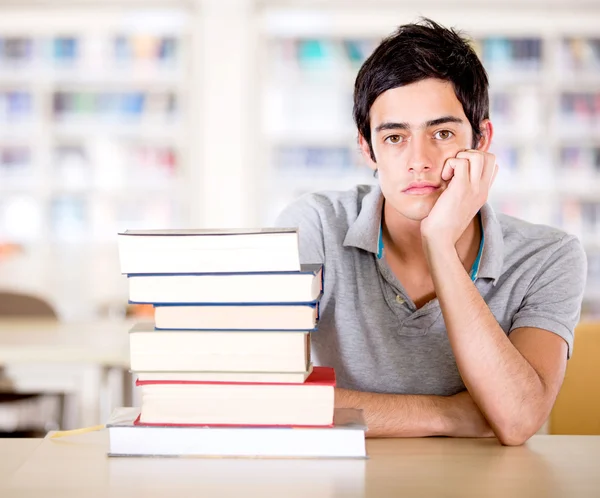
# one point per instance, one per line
(439, 316)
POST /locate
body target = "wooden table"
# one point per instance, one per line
(13, 453)
(87, 361)
(77, 466)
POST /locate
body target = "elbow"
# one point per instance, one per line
(515, 428)
(512, 438)
(515, 433)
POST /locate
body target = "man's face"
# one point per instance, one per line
(414, 129)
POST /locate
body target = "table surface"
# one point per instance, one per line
(13, 453)
(76, 466)
(38, 341)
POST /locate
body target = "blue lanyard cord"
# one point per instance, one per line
(474, 268)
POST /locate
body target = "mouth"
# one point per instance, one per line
(421, 189)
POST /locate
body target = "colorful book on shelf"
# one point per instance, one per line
(218, 351)
(209, 251)
(302, 286)
(310, 403)
(240, 316)
(345, 439)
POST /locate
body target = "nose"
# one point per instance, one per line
(419, 158)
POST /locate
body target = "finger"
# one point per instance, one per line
(494, 174)
(476, 165)
(459, 167)
(489, 171)
(447, 171)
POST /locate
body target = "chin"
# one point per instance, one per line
(416, 211)
(415, 215)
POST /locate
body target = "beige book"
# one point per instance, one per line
(218, 351)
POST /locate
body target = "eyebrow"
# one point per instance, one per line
(427, 124)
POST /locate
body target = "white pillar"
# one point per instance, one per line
(226, 123)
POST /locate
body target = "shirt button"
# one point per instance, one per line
(399, 299)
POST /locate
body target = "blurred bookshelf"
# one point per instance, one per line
(544, 98)
(93, 140)
(158, 113)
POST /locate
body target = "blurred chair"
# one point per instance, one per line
(577, 408)
(27, 415)
(13, 305)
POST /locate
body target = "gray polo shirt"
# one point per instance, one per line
(372, 333)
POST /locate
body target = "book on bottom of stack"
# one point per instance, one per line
(345, 439)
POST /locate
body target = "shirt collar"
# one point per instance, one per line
(365, 233)
(474, 273)
(492, 257)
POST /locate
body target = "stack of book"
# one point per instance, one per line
(225, 369)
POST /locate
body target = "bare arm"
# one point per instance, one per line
(514, 381)
(399, 415)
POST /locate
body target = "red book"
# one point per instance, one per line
(309, 404)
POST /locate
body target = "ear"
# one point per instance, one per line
(365, 150)
(487, 131)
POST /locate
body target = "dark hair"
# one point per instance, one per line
(413, 53)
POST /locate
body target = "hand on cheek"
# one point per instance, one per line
(469, 175)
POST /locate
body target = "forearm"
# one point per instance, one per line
(400, 415)
(501, 381)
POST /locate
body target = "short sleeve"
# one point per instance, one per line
(304, 215)
(553, 301)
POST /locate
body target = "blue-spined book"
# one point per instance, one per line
(304, 286)
(238, 316)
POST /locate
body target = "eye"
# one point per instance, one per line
(443, 135)
(394, 139)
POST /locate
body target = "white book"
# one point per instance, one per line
(217, 351)
(250, 377)
(237, 317)
(211, 403)
(272, 287)
(346, 439)
(208, 251)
